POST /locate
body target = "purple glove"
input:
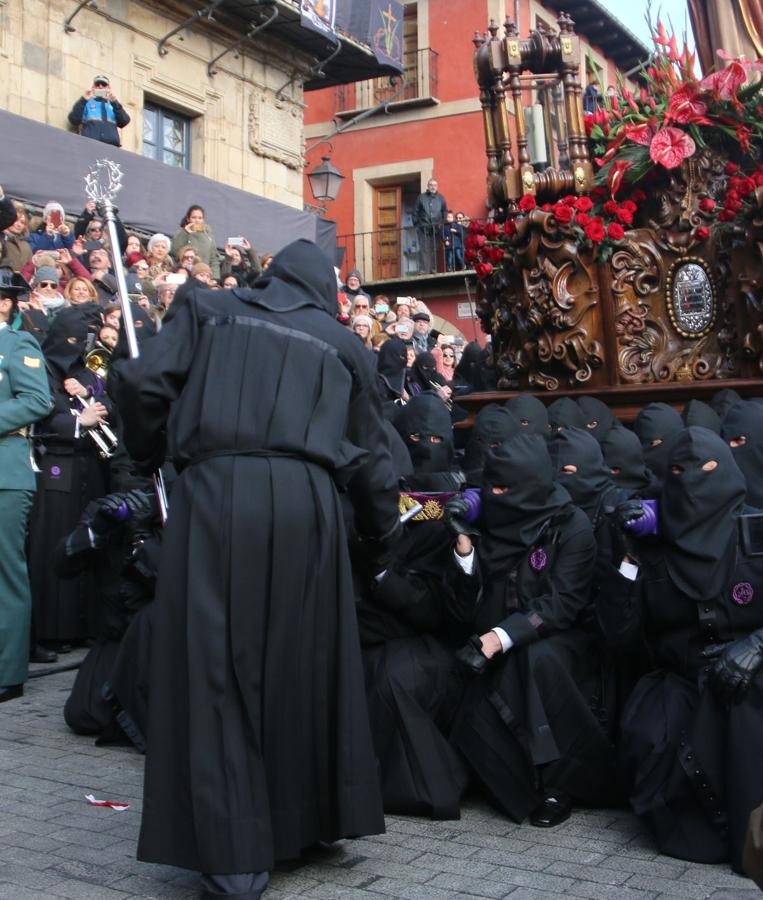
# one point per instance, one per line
(462, 511)
(646, 524)
(473, 497)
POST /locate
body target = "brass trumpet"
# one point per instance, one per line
(101, 435)
(98, 360)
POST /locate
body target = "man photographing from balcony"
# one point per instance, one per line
(98, 114)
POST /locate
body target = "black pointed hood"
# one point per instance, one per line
(65, 343)
(425, 427)
(698, 513)
(299, 275)
(565, 413)
(698, 413)
(598, 416)
(531, 414)
(493, 427)
(655, 426)
(744, 425)
(624, 456)
(390, 366)
(591, 481)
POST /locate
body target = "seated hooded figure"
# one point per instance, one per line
(493, 426)
(411, 622)
(692, 731)
(531, 413)
(525, 724)
(656, 425)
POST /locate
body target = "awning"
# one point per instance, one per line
(39, 163)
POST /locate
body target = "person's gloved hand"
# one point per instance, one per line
(626, 512)
(109, 514)
(471, 657)
(461, 511)
(141, 504)
(735, 665)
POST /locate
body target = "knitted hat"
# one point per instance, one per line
(45, 273)
(52, 207)
(362, 320)
(201, 269)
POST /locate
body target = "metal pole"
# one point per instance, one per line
(102, 184)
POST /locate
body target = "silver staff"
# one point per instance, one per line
(102, 184)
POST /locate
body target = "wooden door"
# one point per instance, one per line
(387, 214)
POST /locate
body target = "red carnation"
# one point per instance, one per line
(563, 213)
(594, 230)
(582, 219)
(610, 208)
(702, 233)
(615, 231)
(483, 269)
(707, 204)
(731, 168)
(527, 203)
(583, 204)
(624, 215)
(670, 147)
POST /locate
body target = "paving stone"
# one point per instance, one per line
(478, 887)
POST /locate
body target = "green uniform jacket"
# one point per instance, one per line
(24, 399)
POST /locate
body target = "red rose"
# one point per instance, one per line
(746, 186)
(598, 193)
(610, 208)
(624, 215)
(479, 240)
(563, 214)
(638, 196)
(510, 227)
(483, 270)
(670, 147)
(726, 215)
(594, 230)
(731, 168)
(702, 233)
(734, 205)
(492, 230)
(494, 254)
(707, 204)
(475, 227)
(583, 204)
(582, 219)
(527, 203)
(569, 200)
(615, 231)
(470, 256)
(629, 205)
(547, 207)
(732, 195)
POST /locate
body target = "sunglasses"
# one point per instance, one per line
(47, 284)
(361, 306)
(449, 356)
(100, 84)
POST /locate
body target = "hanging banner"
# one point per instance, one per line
(320, 16)
(386, 31)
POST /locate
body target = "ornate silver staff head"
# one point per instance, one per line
(103, 182)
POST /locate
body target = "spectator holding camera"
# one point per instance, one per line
(52, 233)
(194, 230)
(98, 114)
(240, 260)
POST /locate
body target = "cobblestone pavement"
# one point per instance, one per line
(54, 845)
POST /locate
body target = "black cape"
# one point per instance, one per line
(258, 736)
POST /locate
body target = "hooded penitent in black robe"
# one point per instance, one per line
(656, 425)
(698, 413)
(72, 475)
(493, 426)
(624, 456)
(390, 375)
(723, 400)
(411, 620)
(599, 419)
(692, 762)
(565, 413)
(531, 413)
(258, 737)
(743, 424)
(525, 725)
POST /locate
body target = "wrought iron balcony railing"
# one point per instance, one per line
(395, 253)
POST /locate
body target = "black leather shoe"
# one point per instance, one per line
(39, 654)
(11, 692)
(552, 811)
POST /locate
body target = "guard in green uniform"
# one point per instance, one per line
(24, 399)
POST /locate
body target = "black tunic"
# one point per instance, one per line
(258, 742)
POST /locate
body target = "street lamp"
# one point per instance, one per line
(325, 180)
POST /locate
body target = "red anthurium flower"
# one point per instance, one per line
(725, 84)
(616, 174)
(670, 147)
(685, 107)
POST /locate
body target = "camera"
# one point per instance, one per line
(101, 93)
(235, 241)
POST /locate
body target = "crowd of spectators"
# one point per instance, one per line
(537, 631)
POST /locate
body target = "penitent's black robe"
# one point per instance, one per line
(258, 736)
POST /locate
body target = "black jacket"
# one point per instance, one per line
(429, 210)
(100, 130)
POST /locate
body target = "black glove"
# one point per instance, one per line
(454, 515)
(624, 542)
(735, 666)
(142, 504)
(626, 512)
(471, 657)
(107, 517)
